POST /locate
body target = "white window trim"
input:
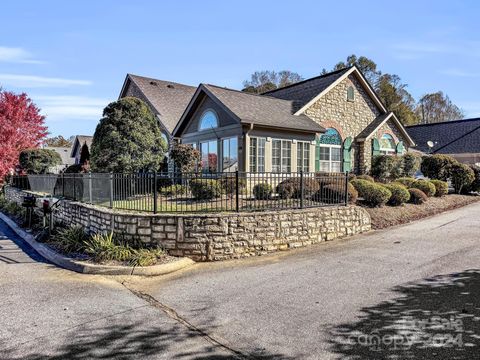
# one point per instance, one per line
(387, 151)
(201, 118)
(256, 154)
(330, 162)
(305, 145)
(223, 152)
(282, 170)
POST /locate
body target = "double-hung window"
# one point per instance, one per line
(257, 154)
(303, 156)
(329, 152)
(281, 156)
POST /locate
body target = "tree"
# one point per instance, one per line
(84, 155)
(38, 161)
(21, 127)
(437, 107)
(266, 80)
(367, 66)
(58, 141)
(127, 139)
(185, 157)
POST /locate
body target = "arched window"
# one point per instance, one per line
(387, 145)
(208, 120)
(329, 152)
(350, 94)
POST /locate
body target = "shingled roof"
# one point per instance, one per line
(168, 98)
(258, 110)
(80, 140)
(304, 91)
(451, 137)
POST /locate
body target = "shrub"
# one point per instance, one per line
(411, 164)
(386, 167)
(262, 191)
(229, 185)
(373, 194)
(441, 187)
(291, 188)
(205, 189)
(400, 194)
(331, 193)
(185, 157)
(38, 161)
(407, 181)
(426, 186)
(102, 247)
(365, 177)
(475, 185)
(71, 239)
(332, 178)
(417, 196)
(173, 190)
(145, 257)
(462, 177)
(438, 166)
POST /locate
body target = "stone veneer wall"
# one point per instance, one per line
(207, 237)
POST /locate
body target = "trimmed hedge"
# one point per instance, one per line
(407, 181)
(441, 187)
(366, 177)
(438, 166)
(462, 177)
(330, 192)
(400, 194)
(417, 196)
(173, 190)
(229, 185)
(290, 188)
(387, 167)
(205, 189)
(262, 191)
(373, 194)
(426, 186)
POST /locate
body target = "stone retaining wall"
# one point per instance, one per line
(207, 237)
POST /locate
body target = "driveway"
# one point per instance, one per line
(401, 292)
(391, 294)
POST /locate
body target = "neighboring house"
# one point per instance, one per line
(459, 138)
(332, 123)
(78, 143)
(64, 153)
(166, 99)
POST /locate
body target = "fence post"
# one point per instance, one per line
(237, 193)
(346, 188)
(155, 193)
(90, 187)
(111, 190)
(302, 192)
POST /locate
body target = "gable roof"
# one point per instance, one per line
(79, 141)
(307, 92)
(169, 99)
(451, 137)
(378, 122)
(254, 109)
(64, 153)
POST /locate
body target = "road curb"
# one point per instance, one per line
(94, 269)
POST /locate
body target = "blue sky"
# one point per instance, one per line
(72, 57)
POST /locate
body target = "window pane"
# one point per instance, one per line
(276, 156)
(299, 156)
(253, 154)
(261, 155)
(336, 166)
(286, 156)
(336, 154)
(230, 158)
(306, 157)
(324, 153)
(209, 120)
(324, 166)
(204, 151)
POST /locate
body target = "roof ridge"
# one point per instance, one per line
(155, 79)
(443, 122)
(309, 79)
(246, 93)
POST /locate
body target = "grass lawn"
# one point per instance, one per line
(387, 216)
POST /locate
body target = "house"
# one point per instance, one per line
(166, 99)
(332, 123)
(78, 143)
(64, 153)
(459, 138)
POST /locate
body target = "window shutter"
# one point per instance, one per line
(375, 147)
(347, 154)
(400, 148)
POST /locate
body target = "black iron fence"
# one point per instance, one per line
(193, 192)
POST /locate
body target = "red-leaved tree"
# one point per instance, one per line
(21, 127)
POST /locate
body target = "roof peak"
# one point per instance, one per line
(444, 122)
(159, 80)
(345, 69)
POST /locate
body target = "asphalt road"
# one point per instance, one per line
(408, 292)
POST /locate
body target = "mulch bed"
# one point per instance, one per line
(387, 216)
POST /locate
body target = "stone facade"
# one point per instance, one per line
(212, 237)
(350, 118)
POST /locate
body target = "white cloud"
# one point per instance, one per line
(415, 50)
(33, 81)
(71, 108)
(460, 73)
(17, 55)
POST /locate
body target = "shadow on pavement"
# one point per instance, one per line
(434, 318)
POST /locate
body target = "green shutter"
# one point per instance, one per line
(375, 147)
(400, 148)
(347, 154)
